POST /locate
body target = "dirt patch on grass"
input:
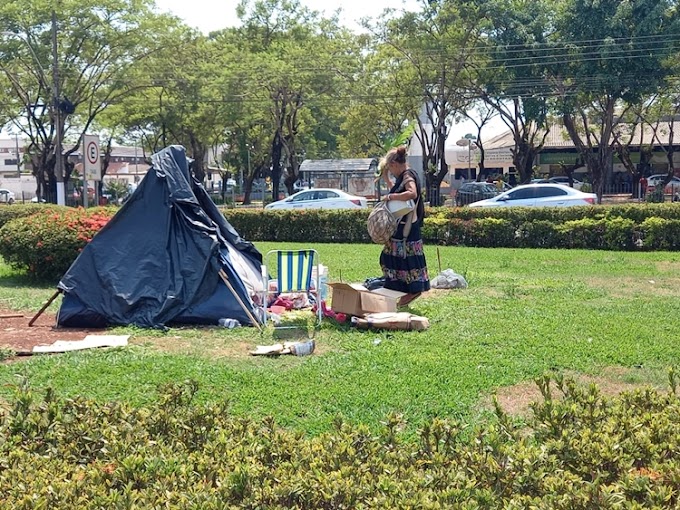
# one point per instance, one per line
(627, 287)
(210, 345)
(515, 400)
(18, 336)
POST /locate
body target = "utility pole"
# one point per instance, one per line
(16, 147)
(59, 159)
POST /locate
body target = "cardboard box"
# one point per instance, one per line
(380, 300)
(355, 299)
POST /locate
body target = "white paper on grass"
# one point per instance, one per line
(89, 342)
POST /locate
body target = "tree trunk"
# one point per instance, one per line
(277, 151)
(198, 154)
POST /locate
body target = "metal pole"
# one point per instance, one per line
(468, 172)
(16, 147)
(59, 160)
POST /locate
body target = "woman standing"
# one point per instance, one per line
(402, 259)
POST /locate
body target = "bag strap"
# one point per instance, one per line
(409, 223)
(413, 215)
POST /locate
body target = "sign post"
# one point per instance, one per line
(92, 169)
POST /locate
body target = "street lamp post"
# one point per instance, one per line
(467, 141)
(59, 159)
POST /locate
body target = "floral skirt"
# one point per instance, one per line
(404, 267)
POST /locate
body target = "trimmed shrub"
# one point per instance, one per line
(47, 242)
(23, 210)
(538, 234)
(660, 234)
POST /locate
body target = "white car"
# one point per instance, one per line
(555, 195)
(319, 198)
(6, 196)
(655, 180)
(560, 179)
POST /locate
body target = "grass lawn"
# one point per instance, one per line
(611, 314)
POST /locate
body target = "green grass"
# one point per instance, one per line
(526, 312)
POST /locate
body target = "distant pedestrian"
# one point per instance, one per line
(643, 186)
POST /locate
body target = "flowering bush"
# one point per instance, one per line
(47, 243)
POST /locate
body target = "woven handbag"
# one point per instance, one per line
(382, 223)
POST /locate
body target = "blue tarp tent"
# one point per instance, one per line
(158, 259)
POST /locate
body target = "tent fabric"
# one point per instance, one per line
(158, 259)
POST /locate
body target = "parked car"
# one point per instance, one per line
(560, 179)
(540, 194)
(300, 185)
(6, 196)
(655, 180)
(475, 191)
(563, 179)
(320, 198)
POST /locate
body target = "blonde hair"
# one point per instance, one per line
(394, 155)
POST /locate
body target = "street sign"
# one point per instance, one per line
(91, 161)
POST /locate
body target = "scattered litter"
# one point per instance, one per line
(448, 279)
(652, 282)
(294, 348)
(89, 342)
(377, 341)
(338, 316)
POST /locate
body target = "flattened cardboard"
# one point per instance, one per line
(355, 299)
(399, 320)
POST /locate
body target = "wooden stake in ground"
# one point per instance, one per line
(225, 279)
(439, 259)
(49, 302)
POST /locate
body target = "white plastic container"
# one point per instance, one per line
(323, 280)
(400, 207)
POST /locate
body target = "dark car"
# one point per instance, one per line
(474, 191)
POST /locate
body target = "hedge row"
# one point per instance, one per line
(578, 451)
(630, 227)
(45, 239)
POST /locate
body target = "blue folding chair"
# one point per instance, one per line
(294, 271)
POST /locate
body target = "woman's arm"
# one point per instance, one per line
(410, 193)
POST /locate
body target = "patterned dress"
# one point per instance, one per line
(403, 260)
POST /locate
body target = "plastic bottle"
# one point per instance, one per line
(229, 323)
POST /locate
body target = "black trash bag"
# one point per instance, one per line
(375, 282)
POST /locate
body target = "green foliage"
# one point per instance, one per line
(661, 233)
(579, 451)
(22, 210)
(46, 243)
(655, 196)
(324, 226)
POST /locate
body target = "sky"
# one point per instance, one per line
(208, 15)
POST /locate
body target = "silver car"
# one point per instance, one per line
(529, 195)
(319, 198)
(6, 196)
